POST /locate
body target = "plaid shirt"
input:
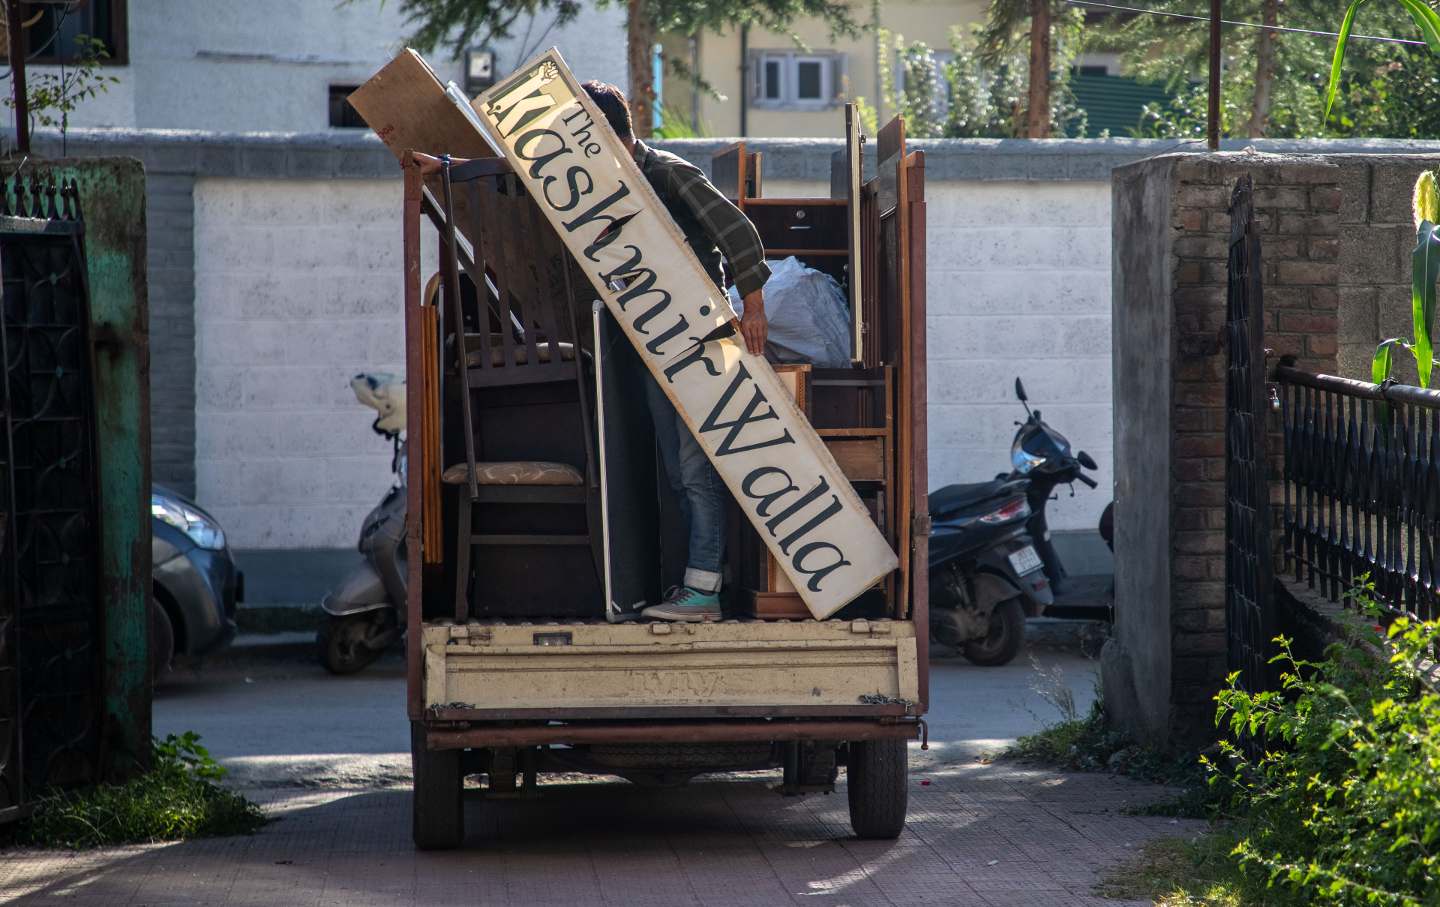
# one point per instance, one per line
(711, 223)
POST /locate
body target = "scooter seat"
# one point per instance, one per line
(958, 497)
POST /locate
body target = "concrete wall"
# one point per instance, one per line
(1374, 280)
(266, 65)
(297, 288)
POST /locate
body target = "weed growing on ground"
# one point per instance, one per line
(178, 798)
(1185, 872)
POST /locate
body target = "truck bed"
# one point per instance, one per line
(516, 670)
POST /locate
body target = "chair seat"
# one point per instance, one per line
(515, 472)
(520, 353)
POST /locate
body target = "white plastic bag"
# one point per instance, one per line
(808, 315)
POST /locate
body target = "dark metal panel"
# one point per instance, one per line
(1361, 494)
(53, 556)
(1249, 611)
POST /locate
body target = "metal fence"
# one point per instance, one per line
(50, 622)
(1361, 494)
(1249, 571)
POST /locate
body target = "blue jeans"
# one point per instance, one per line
(697, 487)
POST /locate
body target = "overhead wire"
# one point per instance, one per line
(1280, 28)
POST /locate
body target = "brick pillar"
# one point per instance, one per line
(1171, 241)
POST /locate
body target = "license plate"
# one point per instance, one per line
(1025, 560)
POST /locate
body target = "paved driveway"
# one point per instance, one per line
(979, 833)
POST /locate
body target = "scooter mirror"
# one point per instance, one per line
(1020, 391)
(1086, 460)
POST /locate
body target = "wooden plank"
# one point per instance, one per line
(895, 131)
(727, 171)
(779, 471)
(861, 459)
(919, 488)
(856, 281)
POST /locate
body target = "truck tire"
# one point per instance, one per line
(1006, 636)
(878, 788)
(437, 804)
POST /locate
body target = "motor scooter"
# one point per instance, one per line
(985, 574)
(365, 613)
(1044, 457)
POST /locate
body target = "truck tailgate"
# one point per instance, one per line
(558, 670)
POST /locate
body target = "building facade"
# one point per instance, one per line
(274, 65)
(772, 87)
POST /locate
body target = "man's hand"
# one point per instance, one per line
(429, 164)
(752, 324)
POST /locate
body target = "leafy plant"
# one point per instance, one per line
(179, 798)
(675, 124)
(1424, 270)
(1425, 19)
(1334, 778)
(920, 102)
(52, 97)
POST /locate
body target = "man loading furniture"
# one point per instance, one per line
(712, 227)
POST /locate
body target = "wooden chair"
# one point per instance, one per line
(523, 333)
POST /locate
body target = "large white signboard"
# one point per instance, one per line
(621, 234)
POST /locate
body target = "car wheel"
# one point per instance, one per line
(1006, 636)
(162, 642)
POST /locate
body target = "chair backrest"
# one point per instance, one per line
(526, 329)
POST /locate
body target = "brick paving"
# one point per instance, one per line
(1002, 834)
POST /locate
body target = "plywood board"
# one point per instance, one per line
(409, 109)
(762, 446)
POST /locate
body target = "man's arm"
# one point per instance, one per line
(738, 241)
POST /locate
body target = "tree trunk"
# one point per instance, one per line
(1037, 116)
(1264, 71)
(640, 33)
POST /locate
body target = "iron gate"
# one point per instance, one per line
(1249, 570)
(50, 621)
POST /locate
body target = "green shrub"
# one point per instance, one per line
(178, 798)
(1333, 781)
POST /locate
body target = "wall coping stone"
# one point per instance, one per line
(360, 155)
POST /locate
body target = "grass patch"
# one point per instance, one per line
(1181, 872)
(179, 798)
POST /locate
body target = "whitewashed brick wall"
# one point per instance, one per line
(1018, 284)
(297, 288)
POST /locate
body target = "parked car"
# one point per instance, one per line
(196, 582)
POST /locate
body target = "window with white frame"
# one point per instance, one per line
(795, 80)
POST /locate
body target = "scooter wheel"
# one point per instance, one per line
(1006, 636)
(343, 643)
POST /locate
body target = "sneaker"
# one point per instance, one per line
(685, 604)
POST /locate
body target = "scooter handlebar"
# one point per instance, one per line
(1087, 480)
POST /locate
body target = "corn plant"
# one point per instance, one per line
(1424, 269)
(1425, 18)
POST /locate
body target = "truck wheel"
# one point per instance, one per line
(877, 785)
(1006, 636)
(437, 805)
